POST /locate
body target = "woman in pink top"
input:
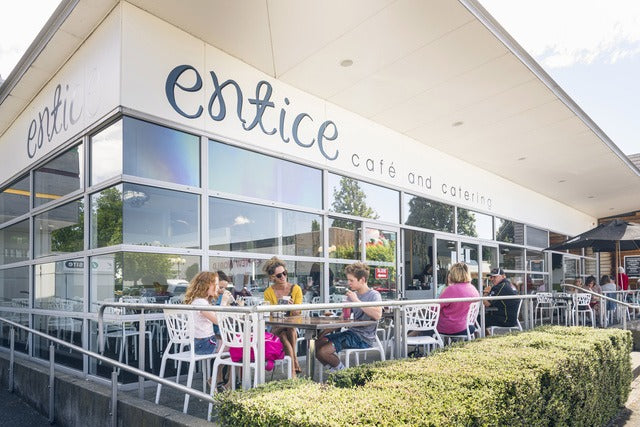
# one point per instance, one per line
(453, 315)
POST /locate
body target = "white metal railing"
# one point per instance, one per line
(114, 374)
(604, 298)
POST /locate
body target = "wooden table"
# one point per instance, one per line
(312, 327)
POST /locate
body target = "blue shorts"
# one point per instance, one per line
(347, 339)
(205, 345)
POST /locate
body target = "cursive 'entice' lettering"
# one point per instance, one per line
(52, 121)
(217, 108)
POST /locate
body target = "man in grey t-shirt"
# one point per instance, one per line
(360, 337)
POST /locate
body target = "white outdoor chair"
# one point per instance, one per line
(232, 326)
(346, 353)
(517, 327)
(544, 302)
(581, 306)
(423, 318)
(180, 325)
(122, 330)
(563, 306)
(472, 320)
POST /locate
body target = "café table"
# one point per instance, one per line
(313, 327)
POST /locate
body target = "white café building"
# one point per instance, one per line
(145, 140)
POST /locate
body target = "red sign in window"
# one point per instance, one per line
(382, 273)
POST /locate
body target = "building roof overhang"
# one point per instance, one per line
(443, 73)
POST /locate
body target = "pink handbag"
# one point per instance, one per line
(273, 350)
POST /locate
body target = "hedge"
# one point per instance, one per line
(548, 376)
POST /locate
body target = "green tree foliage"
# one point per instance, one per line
(467, 223)
(429, 214)
(350, 199)
(71, 237)
(107, 213)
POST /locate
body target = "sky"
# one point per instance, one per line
(591, 48)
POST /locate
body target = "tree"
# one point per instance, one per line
(350, 199)
(107, 213)
(71, 237)
(426, 213)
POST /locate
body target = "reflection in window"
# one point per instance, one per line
(535, 261)
(106, 153)
(246, 227)
(14, 241)
(380, 245)
(246, 272)
(537, 237)
(475, 224)
(14, 296)
(344, 239)
(489, 260)
(418, 256)
(384, 282)
(425, 213)
(60, 176)
(141, 215)
(65, 327)
(359, 198)
(156, 277)
(106, 218)
(509, 231)
(60, 230)
(14, 199)
(156, 152)
(59, 285)
(511, 258)
(537, 283)
(251, 174)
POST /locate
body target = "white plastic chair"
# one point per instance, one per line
(346, 353)
(423, 318)
(581, 306)
(563, 305)
(517, 327)
(544, 302)
(180, 325)
(123, 330)
(472, 320)
(232, 327)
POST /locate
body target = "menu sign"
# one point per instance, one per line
(632, 266)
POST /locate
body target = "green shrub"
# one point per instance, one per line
(549, 376)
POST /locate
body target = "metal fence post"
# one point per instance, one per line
(52, 355)
(12, 338)
(141, 353)
(114, 398)
(246, 352)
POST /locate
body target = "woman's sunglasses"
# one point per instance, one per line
(279, 275)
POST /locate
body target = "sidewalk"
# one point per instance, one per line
(16, 412)
(630, 415)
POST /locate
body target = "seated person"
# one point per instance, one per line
(453, 315)
(330, 345)
(505, 312)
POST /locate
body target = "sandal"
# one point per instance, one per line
(222, 386)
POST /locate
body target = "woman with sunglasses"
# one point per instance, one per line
(277, 271)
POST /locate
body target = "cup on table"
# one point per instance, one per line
(346, 313)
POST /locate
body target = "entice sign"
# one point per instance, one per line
(51, 122)
(381, 273)
(327, 131)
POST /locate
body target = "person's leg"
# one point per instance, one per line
(326, 352)
(289, 350)
(292, 335)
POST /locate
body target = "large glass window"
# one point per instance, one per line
(418, 258)
(475, 224)
(142, 215)
(106, 153)
(14, 199)
(425, 213)
(160, 276)
(59, 285)
(537, 237)
(14, 298)
(246, 227)
(509, 231)
(14, 243)
(149, 151)
(344, 239)
(61, 176)
(247, 276)
(359, 198)
(244, 172)
(511, 258)
(536, 264)
(60, 230)
(156, 152)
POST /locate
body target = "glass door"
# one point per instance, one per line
(380, 253)
(469, 254)
(489, 261)
(418, 265)
(446, 256)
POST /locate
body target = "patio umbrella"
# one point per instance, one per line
(612, 236)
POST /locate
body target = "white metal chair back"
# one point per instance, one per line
(472, 314)
(232, 326)
(581, 299)
(544, 298)
(422, 317)
(180, 326)
(178, 299)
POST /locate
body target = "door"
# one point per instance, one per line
(418, 264)
(380, 252)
